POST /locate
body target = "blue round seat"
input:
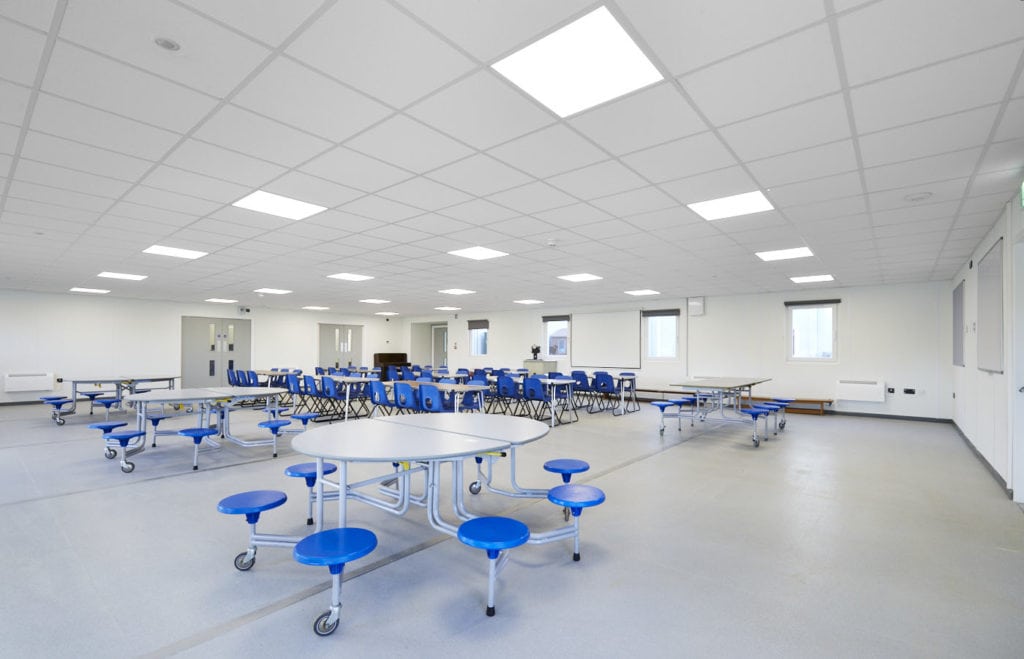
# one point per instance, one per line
(575, 498)
(107, 403)
(334, 548)
(252, 503)
(197, 435)
(662, 405)
(124, 438)
(274, 425)
(307, 470)
(105, 427)
(493, 534)
(566, 467)
(755, 413)
(305, 417)
(57, 402)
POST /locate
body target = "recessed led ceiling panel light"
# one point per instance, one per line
(583, 276)
(316, 308)
(447, 308)
(478, 253)
(121, 275)
(783, 254)
(272, 291)
(274, 204)
(528, 301)
(456, 291)
(220, 300)
(734, 206)
(386, 313)
(373, 300)
(162, 250)
(348, 276)
(643, 291)
(811, 279)
(588, 62)
(96, 291)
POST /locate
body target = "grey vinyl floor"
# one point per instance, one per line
(843, 536)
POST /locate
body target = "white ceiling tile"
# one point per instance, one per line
(1002, 156)
(1012, 124)
(598, 180)
(955, 132)
(14, 104)
(479, 175)
(532, 198)
(939, 190)
(914, 212)
(549, 151)
(823, 160)
(681, 158)
(884, 38)
(434, 224)
(148, 196)
(41, 209)
(248, 223)
(573, 215)
(809, 124)
(216, 161)
(651, 116)
(5, 167)
(390, 141)
(82, 157)
(822, 189)
(424, 193)
(34, 192)
(674, 222)
(212, 58)
(22, 49)
(269, 21)
(479, 211)
(378, 208)
(396, 234)
(34, 13)
(1006, 182)
(77, 122)
(8, 138)
(634, 202)
(711, 185)
(293, 94)
(522, 226)
(481, 110)
(107, 84)
(196, 185)
(956, 164)
(827, 209)
(355, 170)
(69, 179)
(143, 212)
(781, 73)
(240, 130)
(398, 64)
(312, 189)
(935, 90)
(341, 221)
(689, 35)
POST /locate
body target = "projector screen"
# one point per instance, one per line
(606, 340)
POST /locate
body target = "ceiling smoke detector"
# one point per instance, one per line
(167, 44)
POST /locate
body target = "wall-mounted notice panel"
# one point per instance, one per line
(990, 309)
(609, 339)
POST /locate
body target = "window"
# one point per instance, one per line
(662, 333)
(556, 335)
(812, 330)
(478, 337)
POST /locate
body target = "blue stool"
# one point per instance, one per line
(755, 413)
(251, 504)
(91, 395)
(272, 412)
(155, 419)
(566, 467)
(106, 403)
(334, 548)
(307, 470)
(575, 498)
(305, 418)
(57, 402)
(198, 435)
(124, 439)
(496, 535)
(773, 412)
(104, 427)
(274, 425)
(784, 402)
(662, 405)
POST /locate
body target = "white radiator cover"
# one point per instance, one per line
(28, 382)
(866, 391)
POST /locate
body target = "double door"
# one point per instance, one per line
(211, 346)
(341, 346)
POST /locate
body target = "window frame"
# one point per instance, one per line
(478, 333)
(833, 305)
(546, 344)
(647, 318)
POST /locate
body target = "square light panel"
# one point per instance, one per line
(163, 250)
(121, 275)
(272, 291)
(528, 301)
(95, 291)
(811, 279)
(478, 253)
(447, 308)
(373, 300)
(456, 291)
(582, 276)
(348, 276)
(220, 300)
(783, 254)
(588, 62)
(316, 308)
(643, 291)
(274, 204)
(386, 313)
(734, 206)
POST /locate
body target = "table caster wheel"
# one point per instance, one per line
(242, 564)
(661, 432)
(782, 424)
(127, 467)
(566, 514)
(474, 487)
(59, 421)
(757, 442)
(324, 628)
(110, 454)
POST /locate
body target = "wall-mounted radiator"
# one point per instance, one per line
(28, 382)
(867, 391)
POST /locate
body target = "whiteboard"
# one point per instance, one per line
(990, 309)
(610, 339)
